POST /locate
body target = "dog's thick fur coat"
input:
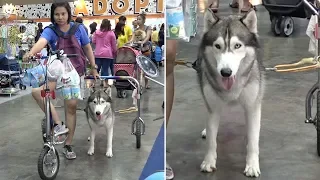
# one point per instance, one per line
(230, 71)
(100, 113)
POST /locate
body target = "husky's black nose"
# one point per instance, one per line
(226, 72)
(98, 113)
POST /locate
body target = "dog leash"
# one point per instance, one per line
(304, 64)
(184, 63)
(128, 110)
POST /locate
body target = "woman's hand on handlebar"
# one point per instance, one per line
(94, 73)
(27, 56)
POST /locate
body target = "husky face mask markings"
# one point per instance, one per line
(229, 70)
(101, 106)
(228, 56)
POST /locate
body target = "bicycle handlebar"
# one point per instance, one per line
(117, 78)
(34, 58)
(104, 77)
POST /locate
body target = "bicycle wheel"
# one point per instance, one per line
(48, 159)
(138, 134)
(318, 123)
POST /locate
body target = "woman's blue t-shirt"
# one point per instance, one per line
(52, 38)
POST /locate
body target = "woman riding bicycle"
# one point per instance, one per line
(61, 20)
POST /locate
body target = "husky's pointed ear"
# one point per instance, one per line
(108, 91)
(250, 20)
(210, 18)
(93, 89)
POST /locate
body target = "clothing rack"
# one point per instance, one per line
(21, 21)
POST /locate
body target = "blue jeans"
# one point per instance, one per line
(112, 67)
(105, 64)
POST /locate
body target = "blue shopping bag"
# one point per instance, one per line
(34, 77)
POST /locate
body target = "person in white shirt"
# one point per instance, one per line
(311, 30)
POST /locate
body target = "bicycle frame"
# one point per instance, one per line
(316, 86)
(47, 94)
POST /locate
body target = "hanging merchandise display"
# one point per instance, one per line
(3, 40)
(14, 40)
(3, 37)
(9, 66)
(31, 29)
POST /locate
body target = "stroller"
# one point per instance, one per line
(126, 65)
(281, 13)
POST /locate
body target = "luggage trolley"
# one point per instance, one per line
(314, 63)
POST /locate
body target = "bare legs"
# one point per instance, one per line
(171, 50)
(71, 112)
(71, 119)
(36, 93)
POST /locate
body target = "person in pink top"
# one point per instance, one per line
(106, 48)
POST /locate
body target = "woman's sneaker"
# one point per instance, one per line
(60, 129)
(60, 139)
(68, 152)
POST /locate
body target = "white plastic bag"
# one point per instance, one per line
(69, 81)
(70, 73)
(175, 20)
(313, 43)
(255, 2)
(55, 69)
(69, 76)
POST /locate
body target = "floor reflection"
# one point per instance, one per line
(202, 5)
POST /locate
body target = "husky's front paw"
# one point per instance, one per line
(109, 153)
(208, 164)
(252, 167)
(91, 151)
(204, 134)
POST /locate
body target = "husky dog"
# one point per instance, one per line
(100, 113)
(230, 71)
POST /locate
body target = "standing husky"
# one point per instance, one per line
(100, 113)
(230, 71)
